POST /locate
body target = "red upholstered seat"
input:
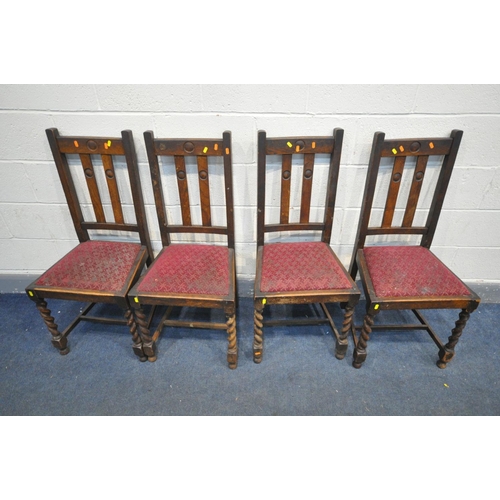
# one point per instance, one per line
(293, 267)
(93, 265)
(189, 269)
(410, 271)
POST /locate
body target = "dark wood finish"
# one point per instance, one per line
(148, 344)
(417, 147)
(180, 168)
(56, 145)
(114, 193)
(401, 148)
(188, 147)
(359, 354)
(197, 229)
(441, 188)
(286, 181)
(137, 196)
(416, 186)
(202, 149)
(258, 337)
(154, 168)
(59, 341)
(297, 226)
(107, 147)
(331, 188)
(392, 195)
(228, 185)
(174, 147)
(373, 231)
(447, 351)
(88, 170)
(136, 338)
(289, 145)
(305, 201)
(90, 145)
(110, 226)
(261, 186)
(232, 348)
(206, 215)
(308, 147)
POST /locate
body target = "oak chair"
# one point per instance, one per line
(300, 272)
(96, 270)
(190, 274)
(404, 276)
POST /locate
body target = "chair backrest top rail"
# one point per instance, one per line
(299, 145)
(416, 147)
(91, 145)
(189, 147)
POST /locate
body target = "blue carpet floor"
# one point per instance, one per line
(299, 374)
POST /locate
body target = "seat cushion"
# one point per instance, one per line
(189, 269)
(293, 267)
(410, 271)
(93, 265)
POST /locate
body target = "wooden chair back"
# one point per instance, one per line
(308, 147)
(400, 150)
(107, 148)
(203, 150)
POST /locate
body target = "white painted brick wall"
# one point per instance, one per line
(36, 229)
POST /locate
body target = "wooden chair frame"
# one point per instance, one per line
(202, 149)
(107, 148)
(309, 147)
(400, 149)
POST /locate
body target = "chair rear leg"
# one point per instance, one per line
(360, 349)
(59, 341)
(148, 344)
(136, 338)
(258, 337)
(342, 342)
(232, 348)
(448, 351)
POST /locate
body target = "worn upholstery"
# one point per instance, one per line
(410, 271)
(93, 265)
(189, 269)
(302, 266)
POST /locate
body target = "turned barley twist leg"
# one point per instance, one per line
(136, 338)
(446, 354)
(232, 348)
(342, 343)
(258, 340)
(58, 340)
(364, 337)
(148, 344)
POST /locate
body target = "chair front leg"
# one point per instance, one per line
(448, 351)
(342, 342)
(136, 338)
(148, 344)
(232, 348)
(359, 355)
(59, 341)
(258, 336)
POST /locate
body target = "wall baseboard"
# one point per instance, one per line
(16, 283)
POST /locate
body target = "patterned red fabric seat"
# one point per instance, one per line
(189, 269)
(292, 267)
(410, 271)
(93, 265)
